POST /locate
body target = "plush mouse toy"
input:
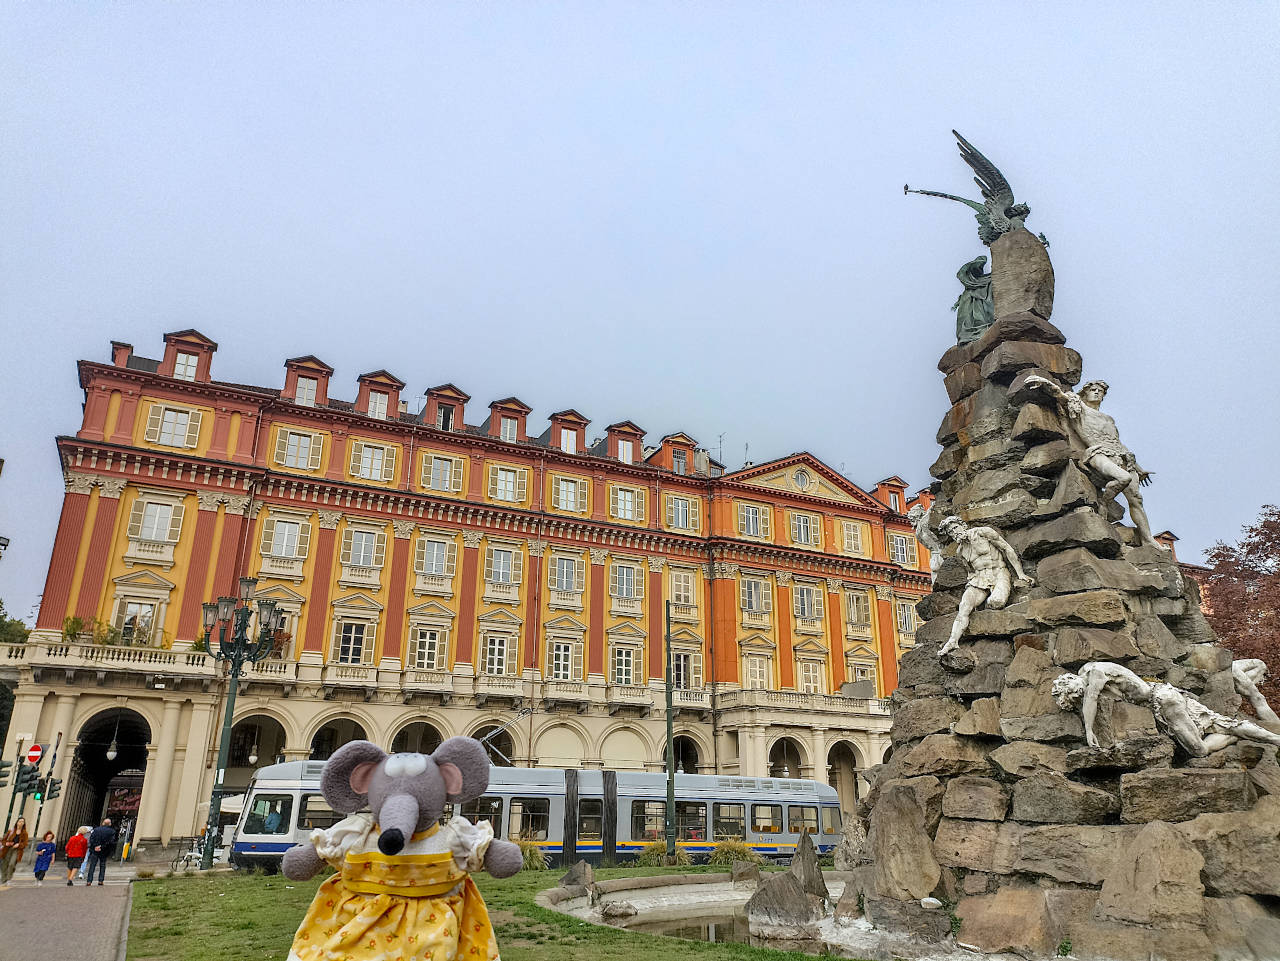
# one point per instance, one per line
(403, 890)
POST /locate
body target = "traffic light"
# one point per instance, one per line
(4, 772)
(54, 789)
(25, 782)
(41, 786)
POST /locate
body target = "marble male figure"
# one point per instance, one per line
(1105, 456)
(1198, 730)
(1248, 673)
(992, 565)
(919, 518)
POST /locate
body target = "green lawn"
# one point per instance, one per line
(253, 918)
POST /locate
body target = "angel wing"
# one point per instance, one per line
(989, 178)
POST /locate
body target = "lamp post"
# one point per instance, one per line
(236, 650)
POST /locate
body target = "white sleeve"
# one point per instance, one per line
(349, 834)
(469, 842)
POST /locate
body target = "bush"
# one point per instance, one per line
(535, 859)
(145, 873)
(655, 856)
(734, 849)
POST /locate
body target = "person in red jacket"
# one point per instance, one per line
(77, 845)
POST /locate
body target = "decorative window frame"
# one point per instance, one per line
(435, 617)
(144, 587)
(356, 608)
(912, 558)
(362, 575)
(758, 646)
(520, 488)
(315, 449)
(640, 500)
(155, 422)
(503, 592)
(765, 533)
(390, 461)
(862, 532)
(570, 600)
(457, 472)
(814, 543)
(693, 512)
(158, 553)
(582, 496)
(633, 606)
(440, 585)
(566, 630)
(628, 636)
(281, 566)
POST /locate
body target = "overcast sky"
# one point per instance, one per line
(689, 215)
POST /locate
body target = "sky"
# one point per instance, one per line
(689, 215)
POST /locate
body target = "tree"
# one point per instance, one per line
(12, 631)
(1243, 595)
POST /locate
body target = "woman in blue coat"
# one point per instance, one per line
(44, 856)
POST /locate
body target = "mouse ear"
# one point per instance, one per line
(346, 776)
(470, 763)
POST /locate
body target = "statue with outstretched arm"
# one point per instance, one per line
(919, 518)
(1105, 456)
(992, 565)
(1248, 673)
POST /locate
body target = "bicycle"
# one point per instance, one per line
(189, 858)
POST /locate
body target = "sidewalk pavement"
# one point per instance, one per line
(54, 921)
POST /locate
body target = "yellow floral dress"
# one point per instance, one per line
(418, 905)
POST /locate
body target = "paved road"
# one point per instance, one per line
(55, 921)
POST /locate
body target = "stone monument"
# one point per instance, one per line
(1151, 827)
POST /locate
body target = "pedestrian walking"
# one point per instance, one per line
(102, 844)
(77, 846)
(45, 851)
(12, 847)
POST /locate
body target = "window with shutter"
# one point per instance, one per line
(266, 546)
(304, 539)
(457, 474)
(678, 513)
(345, 555)
(682, 587)
(377, 404)
(155, 521)
(906, 617)
(568, 441)
(695, 514)
(184, 366)
(513, 657)
(561, 660)
(174, 427)
(155, 417)
(577, 661)
(902, 550)
(623, 663)
(357, 457)
(859, 607)
(305, 392)
(852, 537)
(388, 463)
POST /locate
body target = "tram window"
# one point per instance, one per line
(528, 818)
(830, 820)
(766, 818)
(484, 809)
(691, 820)
(590, 819)
(316, 813)
(730, 821)
(802, 819)
(270, 814)
(648, 820)
(446, 813)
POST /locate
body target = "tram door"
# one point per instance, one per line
(590, 816)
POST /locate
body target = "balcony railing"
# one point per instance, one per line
(415, 681)
(688, 613)
(566, 692)
(72, 654)
(149, 552)
(287, 568)
(502, 593)
(354, 576)
(794, 700)
(757, 619)
(691, 697)
(564, 600)
(618, 696)
(626, 606)
(857, 632)
(363, 676)
(272, 669)
(505, 686)
(436, 584)
(808, 625)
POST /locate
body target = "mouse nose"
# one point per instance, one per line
(391, 841)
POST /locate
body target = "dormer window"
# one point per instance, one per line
(305, 395)
(378, 405)
(625, 449)
(680, 462)
(895, 503)
(444, 417)
(507, 428)
(568, 441)
(184, 367)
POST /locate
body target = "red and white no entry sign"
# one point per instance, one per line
(35, 753)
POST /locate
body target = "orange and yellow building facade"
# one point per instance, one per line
(440, 575)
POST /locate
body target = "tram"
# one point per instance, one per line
(599, 816)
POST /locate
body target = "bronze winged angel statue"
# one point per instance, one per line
(997, 214)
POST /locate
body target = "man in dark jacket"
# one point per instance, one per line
(102, 844)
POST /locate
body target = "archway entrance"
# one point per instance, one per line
(499, 748)
(686, 752)
(256, 741)
(784, 759)
(107, 771)
(333, 734)
(418, 738)
(844, 766)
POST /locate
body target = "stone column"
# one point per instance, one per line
(835, 631)
(597, 587)
(888, 636)
(533, 609)
(393, 640)
(751, 759)
(89, 598)
(62, 716)
(818, 754)
(190, 618)
(318, 603)
(196, 780)
(782, 615)
(658, 622)
(66, 548)
(468, 587)
(153, 819)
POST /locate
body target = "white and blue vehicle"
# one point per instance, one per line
(599, 816)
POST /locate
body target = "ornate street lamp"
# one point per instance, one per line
(237, 650)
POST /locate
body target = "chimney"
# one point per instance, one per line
(120, 353)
